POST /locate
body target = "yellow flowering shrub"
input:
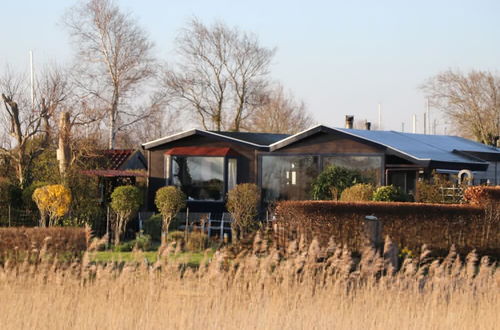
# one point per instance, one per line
(53, 201)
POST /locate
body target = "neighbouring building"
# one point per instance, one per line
(207, 164)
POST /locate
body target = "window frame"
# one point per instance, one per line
(321, 162)
(169, 158)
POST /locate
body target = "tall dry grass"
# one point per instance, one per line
(312, 288)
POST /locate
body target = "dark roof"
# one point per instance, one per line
(427, 150)
(436, 151)
(265, 139)
(260, 141)
(426, 147)
(201, 151)
(116, 158)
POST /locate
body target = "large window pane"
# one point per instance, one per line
(369, 166)
(288, 177)
(201, 178)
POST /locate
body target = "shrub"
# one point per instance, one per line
(243, 204)
(53, 201)
(428, 193)
(142, 242)
(358, 192)
(125, 201)
(58, 240)
(169, 200)
(389, 194)
(176, 236)
(152, 227)
(333, 180)
(197, 241)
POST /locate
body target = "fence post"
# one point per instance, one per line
(221, 235)
(373, 232)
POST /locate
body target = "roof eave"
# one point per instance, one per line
(472, 166)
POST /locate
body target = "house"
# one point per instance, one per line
(207, 164)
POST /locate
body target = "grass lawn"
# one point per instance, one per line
(193, 259)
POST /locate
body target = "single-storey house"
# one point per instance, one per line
(207, 164)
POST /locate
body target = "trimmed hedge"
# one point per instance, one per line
(482, 195)
(63, 240)
(408, 224)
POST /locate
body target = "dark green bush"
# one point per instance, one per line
(358, 192)
(389, 194)
(142, 242)
(333, 181)
(152, 227)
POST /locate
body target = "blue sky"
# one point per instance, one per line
(340, 57)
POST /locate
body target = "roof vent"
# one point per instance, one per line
(349, 121)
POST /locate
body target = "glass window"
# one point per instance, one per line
(288, 177)
(201, 178)
(369, 166)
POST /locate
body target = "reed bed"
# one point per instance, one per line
(305, 287)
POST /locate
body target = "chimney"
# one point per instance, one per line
(349, 120)
(368, 125)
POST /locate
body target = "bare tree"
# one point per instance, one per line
(114, 61)
(471, 102)
(279, 113)
(221, 74)
(29, 124)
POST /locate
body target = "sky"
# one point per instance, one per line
(339, 57)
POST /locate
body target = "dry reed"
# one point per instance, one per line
(312, 288)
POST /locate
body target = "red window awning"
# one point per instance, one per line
(202, 151)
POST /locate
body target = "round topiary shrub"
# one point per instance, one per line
(389, 194)
(169, 200)
(333, 181)
(358, 192)
(125, 201)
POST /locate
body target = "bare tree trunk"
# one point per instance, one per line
(112, 127)
(63, 152)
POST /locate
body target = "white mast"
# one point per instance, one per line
(32, 80)
(379, 117)
(425, 123)
(429, 117)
